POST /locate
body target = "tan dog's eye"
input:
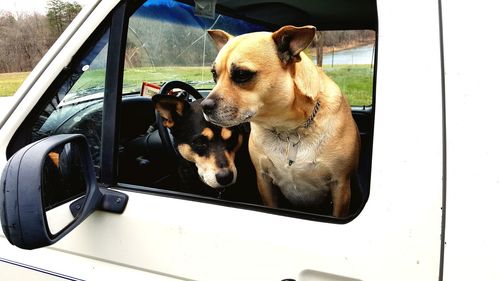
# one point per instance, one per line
(214, 74)
(239, 75)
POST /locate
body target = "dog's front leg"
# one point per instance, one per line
(341, 197)
(261, 164)
(267, 190)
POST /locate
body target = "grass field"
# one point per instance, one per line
(9, 82)
(198, 77)
(356, 81)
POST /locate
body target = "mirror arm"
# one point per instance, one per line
(111, 201)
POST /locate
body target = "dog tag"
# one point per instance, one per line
(292, 153)
(220, 191)
(293, 147)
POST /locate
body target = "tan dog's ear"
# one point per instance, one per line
(292, 40)
(170, 108)
(220, 37)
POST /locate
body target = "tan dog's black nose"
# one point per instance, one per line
(208, 106)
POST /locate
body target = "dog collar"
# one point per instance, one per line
(292, 149)
(313, 115)
(293, 137)
(306, 124)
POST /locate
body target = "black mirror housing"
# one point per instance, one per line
(22, 209)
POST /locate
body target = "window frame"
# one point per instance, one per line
(113, 88)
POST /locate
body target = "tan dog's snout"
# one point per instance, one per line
(217, 111)
(223, 112)
(208, 106)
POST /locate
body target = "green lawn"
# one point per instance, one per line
(10, 82)
(198, 77)
(356, 81)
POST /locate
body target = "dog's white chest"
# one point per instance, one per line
(303, 182)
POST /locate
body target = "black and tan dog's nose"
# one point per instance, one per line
(224, 177)
(208, 106)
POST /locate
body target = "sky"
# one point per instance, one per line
(28, 6)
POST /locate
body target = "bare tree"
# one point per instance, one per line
(25, 38)
(319, 42)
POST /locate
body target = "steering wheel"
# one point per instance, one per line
(188, 90)
(169, 86)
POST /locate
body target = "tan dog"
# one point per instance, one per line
(303, 137)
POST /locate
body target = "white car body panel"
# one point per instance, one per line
(472, 247)
(398, 234)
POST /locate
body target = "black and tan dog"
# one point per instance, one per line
(304, 142)
(210, 154)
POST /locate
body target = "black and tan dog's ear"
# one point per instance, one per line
(170, 108)
(220, 37)
(292, 40)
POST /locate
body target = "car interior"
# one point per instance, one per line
(147, 158)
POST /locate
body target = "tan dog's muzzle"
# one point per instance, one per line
(223, 113)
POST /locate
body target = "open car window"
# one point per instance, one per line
(167, 41)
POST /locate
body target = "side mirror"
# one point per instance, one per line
(48, 188)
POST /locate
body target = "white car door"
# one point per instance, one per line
(170, 235)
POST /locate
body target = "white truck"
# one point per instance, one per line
(428, 172)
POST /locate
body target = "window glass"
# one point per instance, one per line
(76, 106)
(166, 42)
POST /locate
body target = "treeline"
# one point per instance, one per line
(345, 38)
(25, 38)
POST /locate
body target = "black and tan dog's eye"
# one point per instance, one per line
(239, 75)
(232, 142)
(200, 144)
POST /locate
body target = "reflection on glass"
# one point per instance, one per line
(181, 51)
(63, 183)
(76, 107)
